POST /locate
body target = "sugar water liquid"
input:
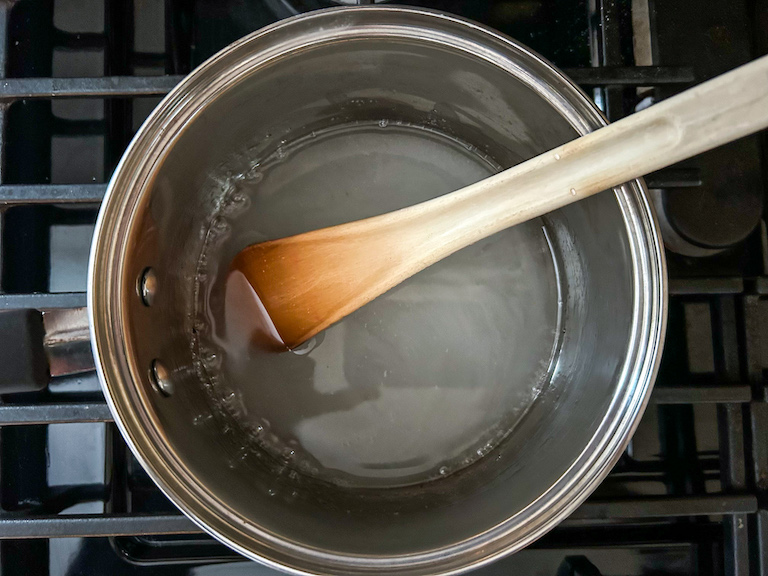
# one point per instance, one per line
(419, 383)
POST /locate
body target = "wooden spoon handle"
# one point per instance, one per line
(714, 113)
(309, 281)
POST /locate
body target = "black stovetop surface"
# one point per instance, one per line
(688, 496)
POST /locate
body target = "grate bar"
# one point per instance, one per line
(729, 394)
(736, 544)
(705, 286)
(667, 507)
(52, 193)
(110, 86)
(43, 300)
(68, 412)
(128, 86)
(89, 525)
(54, 413)
(674, 178)
(94, 193)
(762, 542)
(631, 75)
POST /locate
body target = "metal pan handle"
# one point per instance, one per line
(39, 345)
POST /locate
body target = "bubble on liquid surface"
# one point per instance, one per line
(202, 419)
(305, 347)
(422, 381)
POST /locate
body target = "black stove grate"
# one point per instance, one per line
(689, 494)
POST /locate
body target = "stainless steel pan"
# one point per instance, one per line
(148, 240)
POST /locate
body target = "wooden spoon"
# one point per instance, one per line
(305, 283)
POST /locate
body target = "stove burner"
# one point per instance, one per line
(729, 204)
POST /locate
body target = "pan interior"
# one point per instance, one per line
(502, 365)
(413, 386)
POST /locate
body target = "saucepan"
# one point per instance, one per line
(450, 422)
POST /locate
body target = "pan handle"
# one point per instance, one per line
(38, 345)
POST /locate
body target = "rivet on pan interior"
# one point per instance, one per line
(148, 286)
(161, 378)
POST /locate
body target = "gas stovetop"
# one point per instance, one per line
(689, 494)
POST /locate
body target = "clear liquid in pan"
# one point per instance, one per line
(422, 381)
